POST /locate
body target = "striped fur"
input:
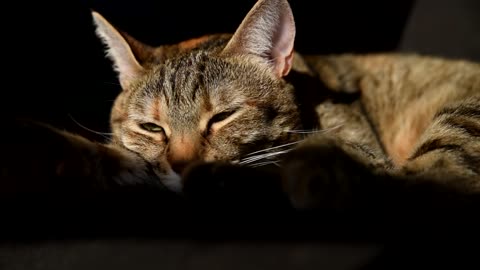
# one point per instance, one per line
(327, 121)
(422, 118)
(339, 127)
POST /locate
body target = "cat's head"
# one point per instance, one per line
(212, 98)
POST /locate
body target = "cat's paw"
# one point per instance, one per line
(321, 174)
(221, 185)
(125, 168)
(38, 157)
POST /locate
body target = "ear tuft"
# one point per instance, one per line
(118, 50)
(268, 32)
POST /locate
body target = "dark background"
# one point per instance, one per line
(54, 70)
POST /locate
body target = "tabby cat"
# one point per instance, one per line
(331, 129)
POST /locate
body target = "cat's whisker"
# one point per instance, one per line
(261, 164)
(267, 153)
(262, 156)
(253, 156)
(306, 131)
(103, 134)
(272, 148)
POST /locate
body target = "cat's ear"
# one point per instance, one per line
(268, 32)
(119, 50)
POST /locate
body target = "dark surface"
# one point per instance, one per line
(146, 232)
(56, 68)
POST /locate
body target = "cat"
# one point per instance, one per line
(326, 131)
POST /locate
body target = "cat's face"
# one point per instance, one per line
(203, 107)
(206, 99)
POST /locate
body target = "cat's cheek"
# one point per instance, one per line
(212, 154)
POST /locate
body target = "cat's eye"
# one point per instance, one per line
(220, 117)
(151, 127)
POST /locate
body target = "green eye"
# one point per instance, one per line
(151, 127)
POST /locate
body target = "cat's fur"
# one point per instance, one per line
(339, 127)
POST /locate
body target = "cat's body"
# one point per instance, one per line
(326, 121)
(416, 117)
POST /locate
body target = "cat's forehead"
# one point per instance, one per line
(193, 82)
(189, 76)
(183, 84)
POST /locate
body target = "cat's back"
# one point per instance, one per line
(421, 70)
(396, 68)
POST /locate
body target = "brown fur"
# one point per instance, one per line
(221, 98)
(390, 117)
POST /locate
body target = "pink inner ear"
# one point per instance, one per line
(287, 64)
(283, 40)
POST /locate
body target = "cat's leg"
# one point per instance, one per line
(327, 172)
(223, 185)
(37, 157)
(106, 166)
